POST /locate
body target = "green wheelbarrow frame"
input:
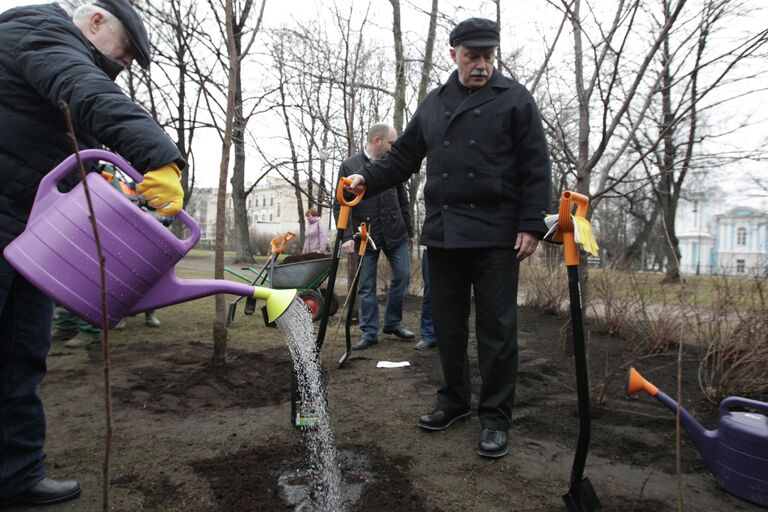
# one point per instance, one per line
(305, 276)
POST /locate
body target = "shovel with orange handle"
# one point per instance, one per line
(581, 496)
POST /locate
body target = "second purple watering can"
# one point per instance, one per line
(57, 251)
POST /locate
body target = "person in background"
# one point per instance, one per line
(316, 234)
(428, 337)
(389, 226)
(487, 191)
(48, 56)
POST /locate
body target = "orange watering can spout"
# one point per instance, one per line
(636, 383)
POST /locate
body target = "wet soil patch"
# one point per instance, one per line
(185, 381)
(249, 480)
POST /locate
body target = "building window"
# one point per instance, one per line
(271, 200)
(263, 200)
(741, 266)
(741, 236)
(263, 218)
(270, 217)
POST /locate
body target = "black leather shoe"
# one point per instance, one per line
(440, 419)
(425, 345)
(493, 443)
(401, 332)
(47, 492)
(364, 343)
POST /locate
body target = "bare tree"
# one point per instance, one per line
(232, 68)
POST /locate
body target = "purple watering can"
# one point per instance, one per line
(57, 252)
(736, 452)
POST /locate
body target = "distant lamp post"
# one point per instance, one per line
(698, 236)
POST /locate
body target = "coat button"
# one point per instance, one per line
(447, 115)
(472, 143)
(477, 112)
(445, 207)
(444, 175)
(471, 175)
(446, 143)
(471, 205)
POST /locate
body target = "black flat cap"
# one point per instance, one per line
(475, 33)
(130, 19)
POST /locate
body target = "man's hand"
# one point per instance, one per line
(525, 245)
(162, 190)
(348, 247)
(356, 186)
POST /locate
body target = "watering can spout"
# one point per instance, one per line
(169, 290)
(705, 440)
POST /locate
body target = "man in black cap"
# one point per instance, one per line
(46, 57)
(487, 191)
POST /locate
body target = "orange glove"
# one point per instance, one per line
(162, 190)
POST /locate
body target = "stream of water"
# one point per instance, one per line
(327, 495)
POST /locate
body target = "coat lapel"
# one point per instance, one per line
(453, 98)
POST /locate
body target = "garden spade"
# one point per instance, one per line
(341, 225)
(581, 496)
(303, 414)
(364, 240)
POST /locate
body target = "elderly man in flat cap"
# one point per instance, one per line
(487, 191)
(47, 56)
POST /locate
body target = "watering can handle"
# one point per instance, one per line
(737, 401)
(48, 186)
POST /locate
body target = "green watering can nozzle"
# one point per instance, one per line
(278, 301)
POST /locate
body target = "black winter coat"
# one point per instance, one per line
(387, 214)
(45, 58)
(488, 171)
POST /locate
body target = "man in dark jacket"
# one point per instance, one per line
(45, 57)
(389, 225)
(487, 190)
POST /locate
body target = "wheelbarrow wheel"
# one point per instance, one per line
(314, 302)
(334, 301)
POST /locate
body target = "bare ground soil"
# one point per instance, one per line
(193, 438)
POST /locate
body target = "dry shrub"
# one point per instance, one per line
(657, 322)
(735, 341)
(544, 286)
(611, 301)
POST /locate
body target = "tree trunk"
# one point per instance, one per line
(239, 195)
(219, 333)
(399, 108)
(414, 184)
(666, 181)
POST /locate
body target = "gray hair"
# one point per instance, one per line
(84, 12)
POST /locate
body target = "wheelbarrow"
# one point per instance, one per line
(57, 251)
(305, 276)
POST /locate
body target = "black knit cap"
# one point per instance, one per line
(130, 19)
(475, 33)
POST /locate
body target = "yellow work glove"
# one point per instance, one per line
(161, 188)
(583, 235)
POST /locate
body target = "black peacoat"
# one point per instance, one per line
(488, 170)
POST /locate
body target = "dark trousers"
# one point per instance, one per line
(492, 275)
(25, 338)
